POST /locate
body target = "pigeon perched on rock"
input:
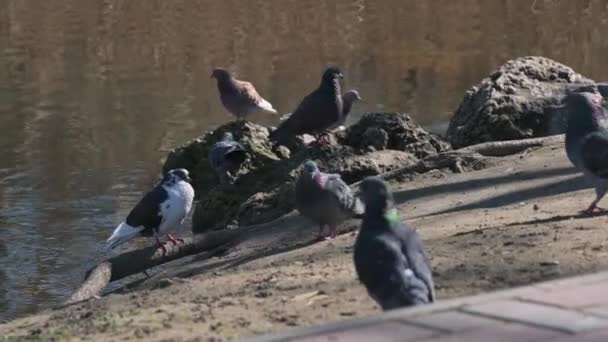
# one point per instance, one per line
(390, 259)
(239, 97)
(348, 99)
(325, 199)
(318, 111)
(225, 156)
(160, 210)
(587, 141)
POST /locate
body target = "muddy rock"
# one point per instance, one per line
(393, 131)
(264, 189)
(515, 101)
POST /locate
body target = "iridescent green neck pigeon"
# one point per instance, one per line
(325, 199)
(390, 259)
(587, 141)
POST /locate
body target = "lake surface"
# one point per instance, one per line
(94, 93)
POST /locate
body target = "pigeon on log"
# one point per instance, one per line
(160, 210)
(348, 100)
(225, 156)
(587, 141)
(390, 259)
(325, 199)
(317, 112)
(239, 97)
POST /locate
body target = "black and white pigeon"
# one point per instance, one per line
(390, 259)
(317, 112)
(225, 156)
(325, 199)
(160, 210)
(349, 98)
(240, 98)
(587, 141)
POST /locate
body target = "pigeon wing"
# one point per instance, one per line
(417, 258)
(146, 212)
(343, 194)
(221, 149)
(594, 153)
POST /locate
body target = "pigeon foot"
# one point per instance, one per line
(594, 210)
(174, 240)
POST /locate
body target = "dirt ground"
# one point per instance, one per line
(511, 224)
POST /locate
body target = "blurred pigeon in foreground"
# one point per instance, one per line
(587, 141)
(390, 259)
(239, 97)
(226, 156)
(325, 198)
(348, 99)
(161, 209)
(317, 112)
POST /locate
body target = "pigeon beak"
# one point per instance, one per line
(188, 179)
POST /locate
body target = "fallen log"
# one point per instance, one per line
(98, 277)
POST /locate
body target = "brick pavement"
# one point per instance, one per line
(572, 309)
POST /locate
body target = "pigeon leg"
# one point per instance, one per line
(160, 244)
(593, 208)
(174, 240)
(321, 236)
(332, 233)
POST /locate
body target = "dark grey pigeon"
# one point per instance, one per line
(587, 141)
(160, 210)
(390, 259)
(226, 156)
(239, 97)
(317, 112)
(325, 199)
(348, 99)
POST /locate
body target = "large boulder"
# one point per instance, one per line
(264, 189)
(515, 102)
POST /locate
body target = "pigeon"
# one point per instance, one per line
(317, 112)
(325, 199)
(239, 97)
(348, 99)
(390, 259)
(226, 155)
(587, 141)
(161, 209)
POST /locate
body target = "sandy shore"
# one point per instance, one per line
(513, 223)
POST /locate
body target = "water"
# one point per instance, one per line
(94, 93)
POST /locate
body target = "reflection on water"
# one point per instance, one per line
(92, 94)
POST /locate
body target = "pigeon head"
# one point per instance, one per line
(310, 167)
(221, 74)
(332, 73)
(176, 175)
(376, 195)
(228, 136)
(352, 96)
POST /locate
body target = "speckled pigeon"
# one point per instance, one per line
(587, 141)
(225, 156)
(317, 112)
(390, 259)
(348, 99)
(239, 97)
(160, 210)
(325, 199)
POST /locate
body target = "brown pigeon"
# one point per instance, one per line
(239, 97)
(317, 112)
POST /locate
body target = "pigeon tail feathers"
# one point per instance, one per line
(122, 234)
(267, 106)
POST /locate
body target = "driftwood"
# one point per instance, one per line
(97, 278)
(133, 262)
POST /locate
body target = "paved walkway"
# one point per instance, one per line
(573, 309)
